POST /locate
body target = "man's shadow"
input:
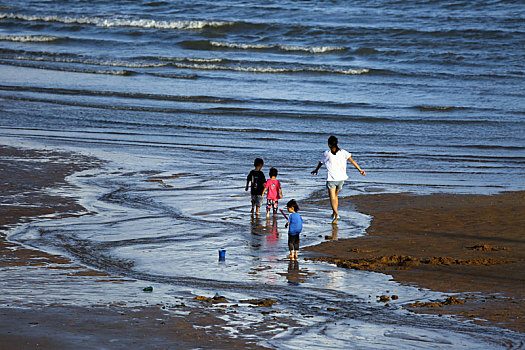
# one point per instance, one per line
(335, 232)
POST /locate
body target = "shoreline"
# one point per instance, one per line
(32, 323)
(29, 323)
(472, 245)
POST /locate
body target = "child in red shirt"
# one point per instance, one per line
(273, 186)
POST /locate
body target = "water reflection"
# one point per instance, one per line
(265, 236)
(293, 275)
(257, 231)
(256, 225)
(335, 231)
(272, 234)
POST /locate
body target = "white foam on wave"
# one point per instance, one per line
(282, 47)
(64, 69)
(92, 62)
(193, 59)
(267, 69)
(118, 22)
(29, 38)
(217, 64)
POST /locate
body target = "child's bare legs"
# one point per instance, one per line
(257, 201)
(254, 203)
(293, 246)
(334, 201)
(269, 205)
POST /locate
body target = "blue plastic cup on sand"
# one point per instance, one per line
(222, 254)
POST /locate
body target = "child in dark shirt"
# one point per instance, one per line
(257, 180)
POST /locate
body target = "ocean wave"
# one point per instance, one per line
(244, 112)
(88, 61)
(188, 98)
(478, 146)
(174, 76)
(119, 22)
(271, 69)
(367, 51)
(436, 108)
(209, 64)
(130, 95)
(69, 69)
(218, 64)
(280, 47)
(29, 38)
(156, 3)
(191, 59)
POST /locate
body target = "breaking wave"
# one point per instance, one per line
(272, 69)
(119, 22)
(88, 61)
(280, 47)
(208, 64)
(70, 69)
(29, 38)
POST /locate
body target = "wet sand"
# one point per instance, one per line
(25, 178)
(403, 225)
(473, 245)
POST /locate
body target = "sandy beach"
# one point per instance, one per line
(25, 180)
(468, 244)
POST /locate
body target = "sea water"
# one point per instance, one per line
(179, 98)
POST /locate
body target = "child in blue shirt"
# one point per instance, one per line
(295, 226)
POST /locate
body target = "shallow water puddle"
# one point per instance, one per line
(165, 239)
